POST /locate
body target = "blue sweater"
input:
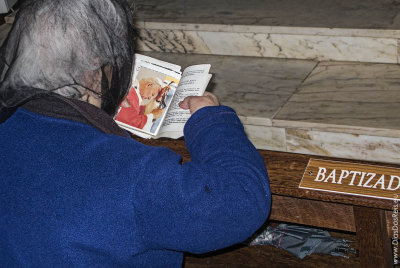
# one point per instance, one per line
(72, 196)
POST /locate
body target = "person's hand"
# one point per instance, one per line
(194, 103)
(157, 113)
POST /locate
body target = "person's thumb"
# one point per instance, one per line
(185, 103)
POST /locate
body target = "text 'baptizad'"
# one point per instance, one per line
(359, 178)
(351, 178)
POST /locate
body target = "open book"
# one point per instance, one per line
(151, 108)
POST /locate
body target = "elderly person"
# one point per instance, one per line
(75, 190)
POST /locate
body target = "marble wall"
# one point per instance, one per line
(269, 42)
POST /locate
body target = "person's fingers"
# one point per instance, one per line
(185, 103)
(211, 96)
(194, 103)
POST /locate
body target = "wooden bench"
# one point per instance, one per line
(369, 218)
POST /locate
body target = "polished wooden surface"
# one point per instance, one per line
(319, 214)
(373, 237)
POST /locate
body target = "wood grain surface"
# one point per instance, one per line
(374, 244)
(313, 213)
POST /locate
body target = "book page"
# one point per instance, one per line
(153, 86)
(193, 82)
(153, 61)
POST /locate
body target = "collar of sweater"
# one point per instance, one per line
(55, 105)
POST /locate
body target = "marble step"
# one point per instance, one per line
(352, 30)
(338, 109)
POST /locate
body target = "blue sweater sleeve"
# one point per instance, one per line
(217, 199)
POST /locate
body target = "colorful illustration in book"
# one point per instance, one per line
(148, 99)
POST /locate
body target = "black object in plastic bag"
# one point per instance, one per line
(302, 241)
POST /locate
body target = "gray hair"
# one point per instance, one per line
(65, 46)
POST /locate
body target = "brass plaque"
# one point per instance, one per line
(352, 178)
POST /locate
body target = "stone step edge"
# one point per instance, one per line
(313, 126)
(318, 44)
(325, 143)
(289, 30)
